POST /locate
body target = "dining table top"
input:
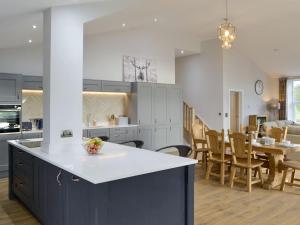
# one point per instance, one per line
(277, 148)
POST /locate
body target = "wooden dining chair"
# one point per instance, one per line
(242, 157)
(199, 142)
(216, 154)
(293, 166)
(279, 134)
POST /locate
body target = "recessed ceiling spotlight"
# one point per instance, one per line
(182, 51)
(124, 25)
(34, 26)
(29, 41)
(155, 20)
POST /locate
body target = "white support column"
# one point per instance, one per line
(63, 66)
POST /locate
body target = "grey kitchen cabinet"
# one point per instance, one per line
(98, 132)
(159, 104)
(140, 109)
(175, 135)
(116, 86)
(31, 135)
(77, 190)
(4, 152)
(54, 195)
(92, 85)
(160, 134)
(32, 83)
(118, 135)
(145, 134)
(10, 88)
(174, 105)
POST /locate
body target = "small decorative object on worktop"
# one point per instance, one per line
(112, 119)
(136, 69)
(93, 145)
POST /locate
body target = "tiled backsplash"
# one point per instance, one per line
(97, 106)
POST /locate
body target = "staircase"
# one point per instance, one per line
(190, 118)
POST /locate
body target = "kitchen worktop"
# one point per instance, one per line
(113, 163)
(88, 128)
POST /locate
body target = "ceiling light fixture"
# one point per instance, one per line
(226, 31)
(182, 51)
(124, 25)
(155, 20)
(29, 41)
(34, 27)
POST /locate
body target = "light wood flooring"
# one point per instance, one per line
(214, 205)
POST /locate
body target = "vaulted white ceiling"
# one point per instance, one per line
(268, 30)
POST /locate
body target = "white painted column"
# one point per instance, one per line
(63, 66)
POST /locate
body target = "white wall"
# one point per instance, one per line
(240, 73)
(103, 54)
(22, 60)
(206, 79)
(201, 78)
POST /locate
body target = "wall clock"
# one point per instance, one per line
(259, 87)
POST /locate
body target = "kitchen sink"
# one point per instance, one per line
(31, 144)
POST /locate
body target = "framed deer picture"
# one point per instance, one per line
(138, 69)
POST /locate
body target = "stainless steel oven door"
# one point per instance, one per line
(10, 118)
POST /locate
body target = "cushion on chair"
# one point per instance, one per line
(217, 157)
(244, 163)
(294, 129)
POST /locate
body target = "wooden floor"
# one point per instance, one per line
(214, 205)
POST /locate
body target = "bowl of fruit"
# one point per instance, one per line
(93, 145)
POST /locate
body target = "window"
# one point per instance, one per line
(294, 103)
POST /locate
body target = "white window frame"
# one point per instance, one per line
(294, 102)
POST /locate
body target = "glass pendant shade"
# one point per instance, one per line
(227, 34)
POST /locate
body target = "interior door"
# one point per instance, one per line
(234, 110)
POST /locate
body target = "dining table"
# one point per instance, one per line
(276, 155)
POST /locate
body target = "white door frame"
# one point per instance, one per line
(241, 112)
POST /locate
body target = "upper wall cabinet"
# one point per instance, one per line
(92, 85)
(10, 88)
(116, 86)
(32, 83)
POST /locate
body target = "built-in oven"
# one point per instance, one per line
(10, 118)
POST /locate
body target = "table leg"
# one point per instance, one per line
(275, 172)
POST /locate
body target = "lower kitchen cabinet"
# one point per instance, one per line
(160, 134)
(77, 191)
(4, 153)
(174, 136)
(145, 134)
(54, 195)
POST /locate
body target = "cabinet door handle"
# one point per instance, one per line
(139, 121)
(20, 164)
(75, 179)
(58, 178)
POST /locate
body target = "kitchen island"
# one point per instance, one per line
(120, 186)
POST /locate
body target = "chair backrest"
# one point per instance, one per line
(278, 134)
(182, 150)
(135, 143)
(215, 142)
(198, 132)
(240, 147)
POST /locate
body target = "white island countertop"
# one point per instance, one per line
(113, 163)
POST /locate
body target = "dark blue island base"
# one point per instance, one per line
(56, 197)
